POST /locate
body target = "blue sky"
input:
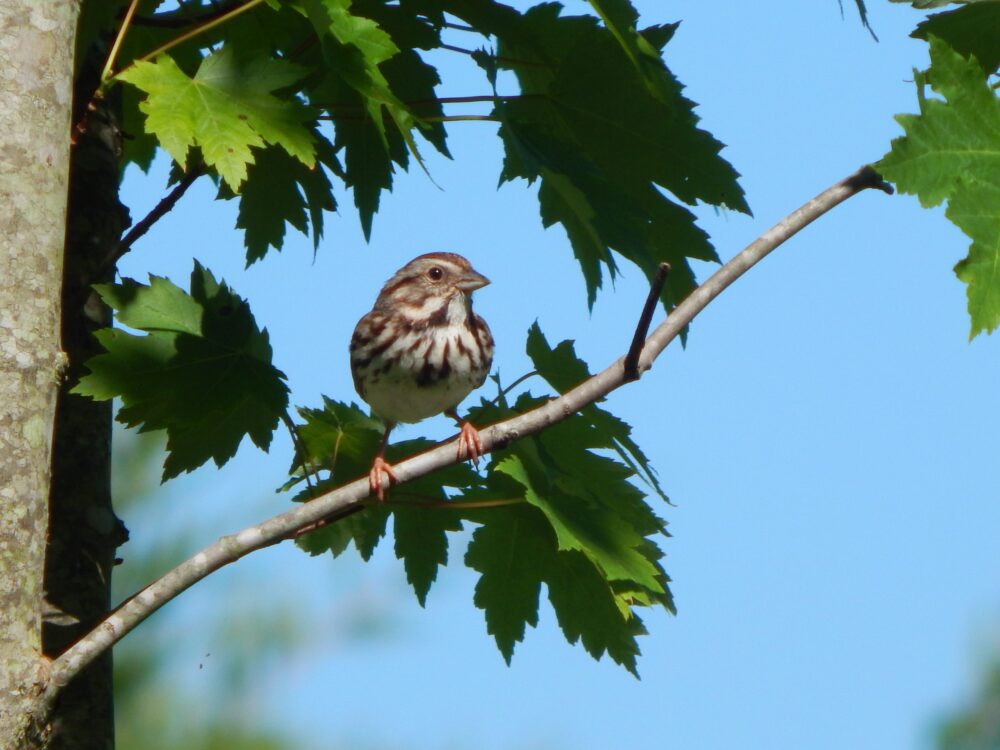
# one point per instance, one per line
(824, 437)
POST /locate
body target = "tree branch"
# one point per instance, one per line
(158, 212)
(348, 497)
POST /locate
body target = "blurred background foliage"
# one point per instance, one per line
(977, 725)
(251, 637)
(247, 641)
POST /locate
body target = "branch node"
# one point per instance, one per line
(867, 177)
(631, 364)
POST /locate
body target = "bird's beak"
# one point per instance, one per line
(472, 281)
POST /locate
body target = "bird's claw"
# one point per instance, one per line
(380, 467)
(470, 445)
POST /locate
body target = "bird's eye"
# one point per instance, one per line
(435, 274)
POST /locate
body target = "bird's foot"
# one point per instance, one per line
(470, 446)
(380, 467)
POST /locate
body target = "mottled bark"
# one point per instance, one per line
(36, 69)
(83, 530)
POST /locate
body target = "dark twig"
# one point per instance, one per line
(631, 363)
(502, 60)
(180, 19)
(158, 212)
(460, 27)
(515, 384)
(331, 519)
(445, 118)
(300, 451)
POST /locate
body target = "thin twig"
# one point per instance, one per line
(478, 99)
(512, 62)
(113, 54)
(460, 27)
(201, 29)
(461, 118)
(515, 384)
(300, 452)
(177, 21)
(438, 504)
(431, 118)
(458, 504)
(158, 212)
(631, 364)
(230, 548)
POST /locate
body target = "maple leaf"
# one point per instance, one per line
(951, 152)
(202, 371)
(226, 110)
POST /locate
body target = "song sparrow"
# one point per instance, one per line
(421, 350)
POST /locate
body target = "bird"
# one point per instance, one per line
(421, 350)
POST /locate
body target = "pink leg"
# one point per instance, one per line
(469, 444)
(380, 467)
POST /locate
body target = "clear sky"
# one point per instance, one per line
(825, 437)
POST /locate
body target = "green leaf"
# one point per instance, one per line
(339, 437)
(608, 541)
(603, 160)
(365, 527)
(924, 4)
(620, 18)
(588, 531)
(360, 94)
(203, 372)
(586, 609)
(279, 191)
(226, 109)
(951, 151)
(344, 439)
(862, 13)
(421, 541)
(969, 30)
(564, 370)
(414, 80)
(516, 550)
(976, 211)
(511, 552)
(420, 529)
(355, 47)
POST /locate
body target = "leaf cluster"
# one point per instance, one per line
(951, 149)
(202, 371)
(563, 508)
(560, 509)
(595, 117)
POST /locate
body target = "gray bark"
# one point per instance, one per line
(36, 73)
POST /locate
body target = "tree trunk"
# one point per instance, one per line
(83, 529)
(36, 73)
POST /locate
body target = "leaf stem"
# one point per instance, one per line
(458, 504)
